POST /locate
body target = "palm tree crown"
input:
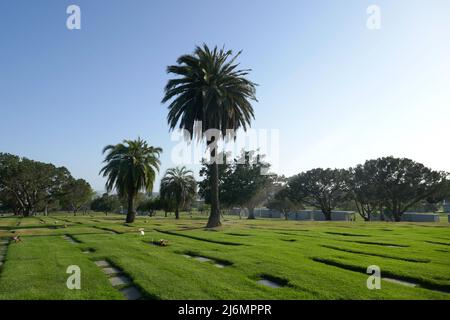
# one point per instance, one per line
(131, 166)
(209, 88)
(178, 185)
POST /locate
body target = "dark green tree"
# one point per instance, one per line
(279, 198)
(151, 205)
(204, 185)
(131, 166)
(364, 190)
(76, 195)
(320, 188)
(441, 194)
(106, 203)
(178, 185)
(34, 185)
(402, 183)
(246, 182)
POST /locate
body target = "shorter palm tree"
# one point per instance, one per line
(131, 166)
(178, 185)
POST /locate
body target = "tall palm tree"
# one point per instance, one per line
(131, 166)
(209, 88)
(179, 186)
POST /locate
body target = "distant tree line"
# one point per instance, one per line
(28, 187)
(386, 186)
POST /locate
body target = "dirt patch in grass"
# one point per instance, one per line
(417, 260)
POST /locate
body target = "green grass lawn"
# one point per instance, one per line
(311, 260)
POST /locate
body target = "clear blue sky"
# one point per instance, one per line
(338, 92)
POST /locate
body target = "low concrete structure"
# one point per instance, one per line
(419, 217)
(305, 215)
(317, 215)
(302, 215)
(236, 212)
(446, 206)
(267, 213)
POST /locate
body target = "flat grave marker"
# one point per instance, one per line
(119, 281)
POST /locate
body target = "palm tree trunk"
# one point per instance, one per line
(214, 217)
(131, 214)
(177, 213)
(382, 217)
(251, 213)
(327, 214)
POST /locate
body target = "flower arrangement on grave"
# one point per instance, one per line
(161, 243)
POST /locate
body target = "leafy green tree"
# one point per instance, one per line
(279, 199)
(204, 186)
(242, 182)
(8, 202)
(441, 194)
(209, 88)
(151, 205)
(168, 205)
(131, 166)
(402, 183)
(246, 183)
(106, 203)
(76, 195)
(138, 200)
(178, 185)
(34, 185)
(364, 190)
(321, 188)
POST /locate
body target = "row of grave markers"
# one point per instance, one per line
(115, 275)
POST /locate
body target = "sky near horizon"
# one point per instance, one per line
(338, 92)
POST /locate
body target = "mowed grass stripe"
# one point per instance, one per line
(383, 255)
(445, 289)
(36, 269)
(227, 243)
(164, 273)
